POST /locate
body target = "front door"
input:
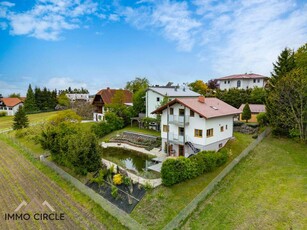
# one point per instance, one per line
(181, 150)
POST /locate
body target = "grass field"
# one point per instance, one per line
(162, 204)
(7, 121)
(24, 178)
(267, 190)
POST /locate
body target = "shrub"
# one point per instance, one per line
(114, 192)
(117, 179)
(176, 170)
(262, 119)
(3, 114)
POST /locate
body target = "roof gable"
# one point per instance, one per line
(255, 108)
(108, 94)
(243, 76)
(212, 107)
(11, 102)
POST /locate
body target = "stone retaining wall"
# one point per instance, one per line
(152, 182)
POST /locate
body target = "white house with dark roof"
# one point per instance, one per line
(156, 94)
(190, 125)
(242, 81)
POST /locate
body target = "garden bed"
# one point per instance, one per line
(126, 197)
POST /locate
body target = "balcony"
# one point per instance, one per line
(176, 138)
(179, 120)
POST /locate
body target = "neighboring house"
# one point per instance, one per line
(78, 97)
(190, 125)
(255, 110)
(242, 81)
(105, 96)
(10, 105)
(156, 94)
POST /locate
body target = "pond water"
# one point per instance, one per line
(129, 159)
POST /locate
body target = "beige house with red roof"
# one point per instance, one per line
(106, 96)
(190, 125)
(10, 105)
(242, 81)
(255, 110)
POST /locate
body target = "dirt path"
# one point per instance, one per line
(21, 181)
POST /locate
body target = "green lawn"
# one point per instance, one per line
(267, 190)
(161, 205)
(7, 121)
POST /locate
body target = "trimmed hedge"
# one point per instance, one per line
(176, 170)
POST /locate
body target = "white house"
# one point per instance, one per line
(78, 96)
(242, 81)
(10, 105)
(105, 96)
(190, 125)
(156, 94)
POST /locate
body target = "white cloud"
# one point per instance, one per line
(174, 19)
(49, 18)
(249, 35)
(114, 17)
(64, 82)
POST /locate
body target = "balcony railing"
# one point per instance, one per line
(179, 120)
(177, 138)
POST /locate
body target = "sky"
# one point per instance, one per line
(97, 44)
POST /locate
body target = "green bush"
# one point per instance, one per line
(112, 122)
(262, 119)
(176, 170)
(3, 114)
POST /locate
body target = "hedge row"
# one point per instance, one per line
(176, 170)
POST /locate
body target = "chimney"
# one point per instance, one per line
(108, 88)
(201, 99)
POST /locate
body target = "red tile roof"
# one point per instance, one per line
(107, 95)
(212, 107)
(243, 76)
(255, 108)
(11, 102)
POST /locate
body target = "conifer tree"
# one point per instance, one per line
(20, 119)
(246, 114)
(30, 103)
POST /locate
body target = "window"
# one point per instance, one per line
(158, 99)
(10, 109)
(181, 112)
(222, 128)
(181, 131)
(209, 132)
(198, 133)
(226, 127)
(258, 80)
(220, 145)
(171, 111)
(254, 80)
(228, 82)
(165, 128)
(238, 84)
(225, 82)
(191, 113)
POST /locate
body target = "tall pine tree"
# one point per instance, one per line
(30, 103)
(246, 113)
(20, 119)
(284, 64)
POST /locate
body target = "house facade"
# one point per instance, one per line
(10, 105)
(190, 125)
(78, 97)
(255, 110)
(155, 95)
(242, 81)
(106, 96)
